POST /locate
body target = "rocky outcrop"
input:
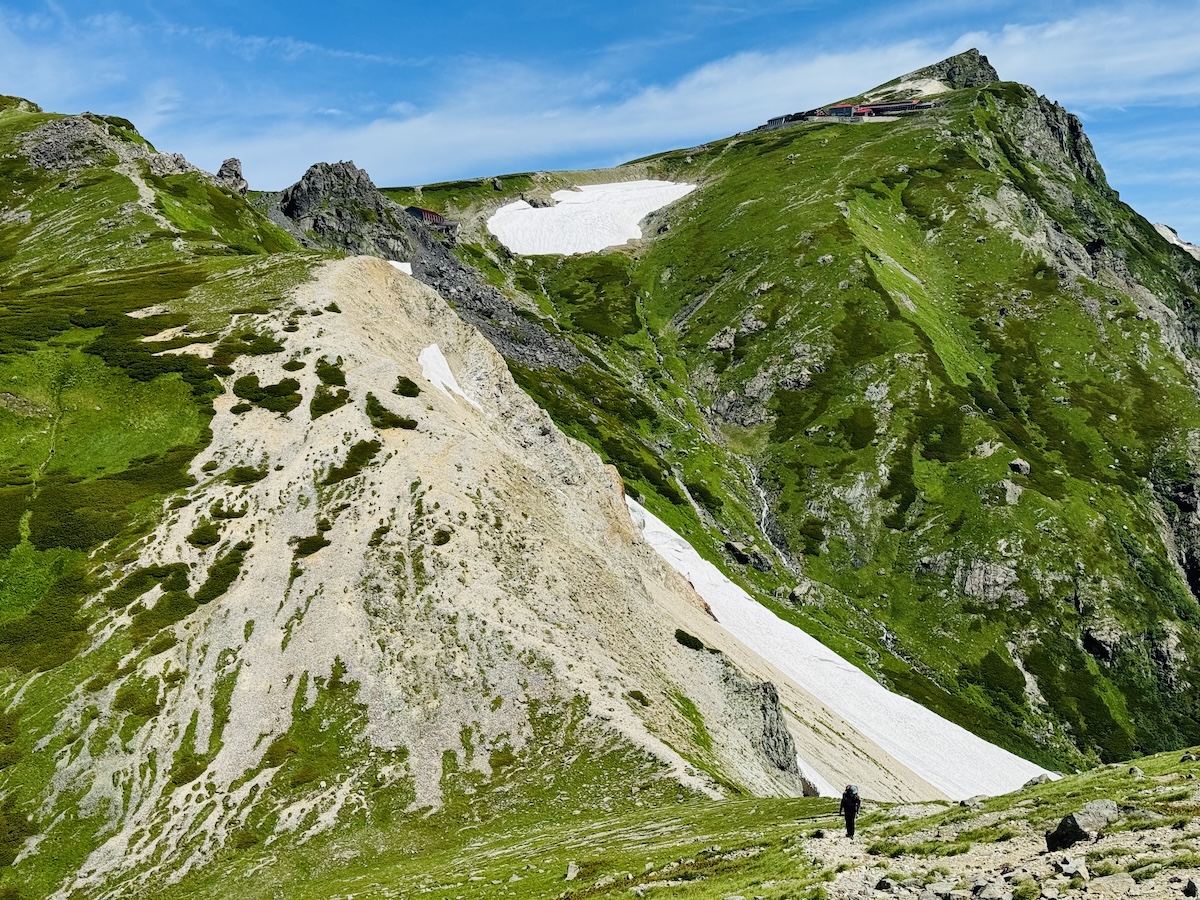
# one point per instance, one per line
(1179, 498)
(230, 176)
(336, 206)
(80, 142)
(988, 582)
(1053, 138)
(1084, 825)
(1103, 640)
(748, 556)
(763, 721)
(517, 335)
(969, 69)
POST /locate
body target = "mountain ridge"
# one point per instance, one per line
(1032, 182)
(881, 374)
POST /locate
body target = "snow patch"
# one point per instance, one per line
(437, 372)
(1173, 237)
(406, 268)
(584, 220)
(944, 754)
(919, 87)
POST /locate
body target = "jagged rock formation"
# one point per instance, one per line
(337, 207)
(230, 176)
(78, 142)
(969, 69)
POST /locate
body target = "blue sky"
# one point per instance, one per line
(422, 92)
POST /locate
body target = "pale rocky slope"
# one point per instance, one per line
(505, 572)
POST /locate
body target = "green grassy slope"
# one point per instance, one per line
(914, 305)
(768, 848)
(97, 427)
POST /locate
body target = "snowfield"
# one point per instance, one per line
(944, 754)
(436, 370)
(584, 220)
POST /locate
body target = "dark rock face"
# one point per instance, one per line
(748, 556)
(766, 726)
(517, 337)
(336, 206)
(1180, 502)
(776, 744)
(230, 176)
(1052, 136)
(1084, 825)
(970, 69)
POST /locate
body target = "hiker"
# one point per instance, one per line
(851, 804)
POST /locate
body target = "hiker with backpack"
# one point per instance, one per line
(851, 804)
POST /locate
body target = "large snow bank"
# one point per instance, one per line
(585, 220)
(947, 756)
(437, 372)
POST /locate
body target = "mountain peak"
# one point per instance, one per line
(969, 69)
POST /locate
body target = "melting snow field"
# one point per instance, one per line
(585, 220)
(944, 754)
(437, 372)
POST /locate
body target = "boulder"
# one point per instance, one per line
(1037, 779)
(1019, 467)
(1072, 867)
(1084, 825)
(738, 551)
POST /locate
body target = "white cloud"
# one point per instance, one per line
(282, 103)
(513, 116)
(1105, 57)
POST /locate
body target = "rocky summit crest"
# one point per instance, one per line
(969, 69)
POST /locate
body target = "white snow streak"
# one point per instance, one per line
(406, 268)
(944, 754)
(585, 220)
(437, 372)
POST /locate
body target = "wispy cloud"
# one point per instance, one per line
(1107, 56)
(288, 49)
(507, 116)
(282, 102)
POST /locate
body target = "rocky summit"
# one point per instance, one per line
(318, 573)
